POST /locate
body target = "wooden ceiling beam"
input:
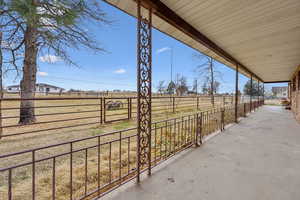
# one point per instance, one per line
(287, 81)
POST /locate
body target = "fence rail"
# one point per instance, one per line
(54, 114)
(90, 167)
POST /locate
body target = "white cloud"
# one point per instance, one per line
(163, 50)
(120, 71)
(42, 73)
(50, 58)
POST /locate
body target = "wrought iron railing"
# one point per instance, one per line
(90, 167)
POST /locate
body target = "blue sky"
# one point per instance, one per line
(116, 68)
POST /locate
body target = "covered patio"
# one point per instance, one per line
(258, 157)
(255, 159)
(179, 158)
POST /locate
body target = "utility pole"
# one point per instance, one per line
(171, 63)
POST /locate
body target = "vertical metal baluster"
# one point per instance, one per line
(120, 156)
(85, 171)
(161, 142)
(179, 134)
(128, 155)
(174, 136)
(110, 163)
(53, 178)
(71, 171)
(9, 184)
(98, 163)
(206, 121)
(195, 127)
(33, 175)
(185, 132)
(166, 139)
(201, 127)
(170, 138)
(190, 128)
(155, 142)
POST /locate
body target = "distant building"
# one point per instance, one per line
(280, 92)
(39, 88)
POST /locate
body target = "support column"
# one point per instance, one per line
(236, 93)
(263, 93)
(258, 91)
(144, 89)
(289, 90)
(251, 92)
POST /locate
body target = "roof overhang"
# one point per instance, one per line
(262, 37)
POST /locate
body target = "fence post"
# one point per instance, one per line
(245, 111)
(197, 103)
(101, 110)
(104, 110)
(224, 101)
(130, 107)
(173, 104)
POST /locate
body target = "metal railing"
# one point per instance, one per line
(91, 167)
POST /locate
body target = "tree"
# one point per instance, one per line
(255, 92)
(161, 87)
(181, 85)
(206, 87)
(37, 27)
(207, 71)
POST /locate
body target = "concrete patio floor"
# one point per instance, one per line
(257, 159)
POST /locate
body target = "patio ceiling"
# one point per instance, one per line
(262, 36)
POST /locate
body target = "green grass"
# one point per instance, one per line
(123, 125)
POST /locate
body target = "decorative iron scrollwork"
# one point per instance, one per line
(144, 65)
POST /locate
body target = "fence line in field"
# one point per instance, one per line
(53, 114)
